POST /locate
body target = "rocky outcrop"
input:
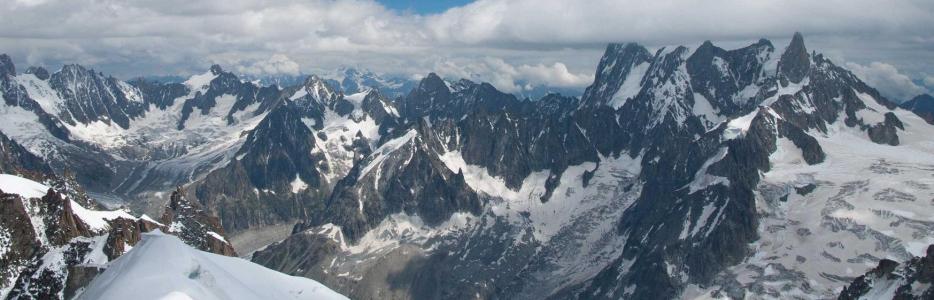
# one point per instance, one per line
(914, 279)
(795, 62)
(50, 250)
(193, 225)
(62, 240)
(887, 131)
(6, 65)
(19, 238)
(922, 105)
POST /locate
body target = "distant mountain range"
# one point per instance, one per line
(351, 81)
(759, 172)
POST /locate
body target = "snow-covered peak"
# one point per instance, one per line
(319, 90)
(619, 55)
(162, 267)
(200, 82)
(356, 80)
(619, 75)
(40, 91)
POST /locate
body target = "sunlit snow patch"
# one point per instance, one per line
(163, 266)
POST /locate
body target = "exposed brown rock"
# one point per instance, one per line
(193, 225)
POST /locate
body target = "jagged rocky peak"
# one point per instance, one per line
(6, 65)
(431, 91)
(319, 91)
(216, 69)
(620, 71)
(795, 61)
(433, 84)
(618, 55)
(39, 72)
(728, 80)
(378, 107)
(90, 96)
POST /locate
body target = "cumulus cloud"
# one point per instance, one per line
(556, 75)
(277, 64)
(511, 78)
(888, 80)
(530, 36)
(569, 22)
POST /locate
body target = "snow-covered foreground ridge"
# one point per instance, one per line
(52, 246)
(162, 267)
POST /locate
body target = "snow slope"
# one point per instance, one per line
(12, 184)
(162, 267)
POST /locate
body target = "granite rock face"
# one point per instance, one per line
(194, 226)
(795, 61)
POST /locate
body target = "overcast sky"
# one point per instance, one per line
(557, 43)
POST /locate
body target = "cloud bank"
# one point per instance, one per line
(888, 80)
(508, 42)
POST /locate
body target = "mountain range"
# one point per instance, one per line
(758, 172)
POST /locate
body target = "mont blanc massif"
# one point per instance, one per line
(761, 172)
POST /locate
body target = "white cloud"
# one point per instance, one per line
(511, 78)
(568, 22)
(277, 64)
(556, 75)
(888, 80)
(532, 37)
(929, 81)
